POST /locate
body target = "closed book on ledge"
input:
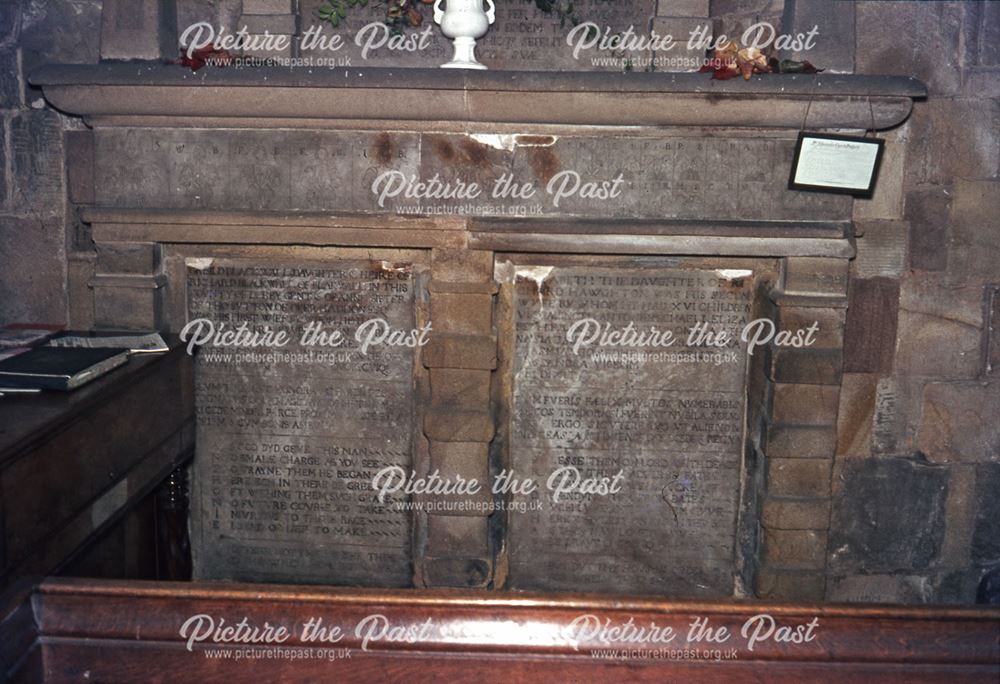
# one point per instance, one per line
(59, 368)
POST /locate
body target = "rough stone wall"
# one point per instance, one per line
(36, 223)
(46, 255)
(917, 476)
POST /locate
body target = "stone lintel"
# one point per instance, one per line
(573, 98)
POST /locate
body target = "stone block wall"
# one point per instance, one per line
(918, 453)
(894, 499)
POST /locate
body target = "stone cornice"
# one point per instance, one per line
(159, 92)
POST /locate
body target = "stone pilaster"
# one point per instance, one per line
(801, 434)
(460, 357)
(128, 289)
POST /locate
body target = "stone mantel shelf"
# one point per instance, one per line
(160, 94)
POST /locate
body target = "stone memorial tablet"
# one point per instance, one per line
(661, 423)
(289, 437)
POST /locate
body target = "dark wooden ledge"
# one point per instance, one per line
(72, 630)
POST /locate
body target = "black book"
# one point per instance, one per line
(59, 368)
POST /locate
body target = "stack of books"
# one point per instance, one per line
(41, 357)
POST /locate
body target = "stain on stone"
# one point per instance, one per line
(544, 163)
(444, 149)
(475, 154)
(383, 149)
(888, 516)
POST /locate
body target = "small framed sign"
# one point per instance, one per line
(842, 164)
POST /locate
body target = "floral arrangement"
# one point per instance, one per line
(731, 59)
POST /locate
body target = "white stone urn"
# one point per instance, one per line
(463, 21)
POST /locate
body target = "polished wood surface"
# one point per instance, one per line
(131, 632)
(71, 463)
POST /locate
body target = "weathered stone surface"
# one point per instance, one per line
(449, 425)
(799, 477)
(816, 276)
(791, 585)
(671, 425)
(80, 166)
(875, 589)
(453, 536)
(887, 201)
(275, 24)
(794, 549)
(834, 48)
(9, 15)
(805, 404)
(277, 434)
(986, 533)
(268, 6)
(680, 57)
(830, 324)
(935, 26)
(928, 214)
(682, 8)
(976, 231)
(953, 138)
(224, 13)
(461, 388)
(140, 258)
(989, 35)
(32, 283)
(807, 366)
(661, 177)
(882, 250)
(874, 529)
(799, 441)
(10, 78)
(856, 416)
(138, 29)
(445, 350)
(60, 31)
(36, 142)
(457, 572)
(940, 330)
(124, 305)
(796, 514)
(959, 422)
(870, 335)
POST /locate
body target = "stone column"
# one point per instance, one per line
(801, 434)
(460, 357)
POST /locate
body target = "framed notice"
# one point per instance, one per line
(842, 164)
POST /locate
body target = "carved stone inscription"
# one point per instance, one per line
(669, 418)
(290, 437)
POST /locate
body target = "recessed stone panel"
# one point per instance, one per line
(290, 438)
(515, 176)
(669, 419)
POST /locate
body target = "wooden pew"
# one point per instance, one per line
(74, 630)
